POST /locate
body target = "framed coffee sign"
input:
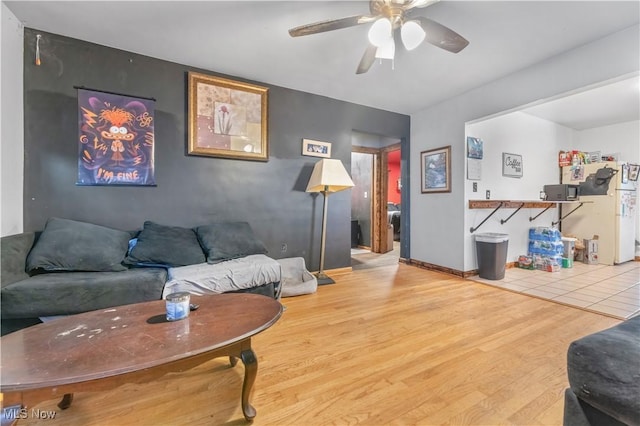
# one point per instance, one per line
(511, 165)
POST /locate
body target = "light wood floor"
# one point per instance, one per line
(394, 345)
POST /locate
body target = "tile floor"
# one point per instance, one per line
(611, 290)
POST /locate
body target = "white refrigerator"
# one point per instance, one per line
(612, 217)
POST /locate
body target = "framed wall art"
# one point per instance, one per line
(316, 148)
(474, 148)
(435, 170)
(625, 173)
(227, 118)
(511, 165)
(633, 171)
(115, 139)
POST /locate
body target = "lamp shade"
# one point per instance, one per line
(380, 31)
(329, 175)
(412, 34)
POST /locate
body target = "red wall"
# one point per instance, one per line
(393, 194)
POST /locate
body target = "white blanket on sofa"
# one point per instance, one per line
(237, 274)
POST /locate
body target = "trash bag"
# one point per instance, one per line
(597, 183)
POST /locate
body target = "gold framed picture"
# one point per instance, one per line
(227, 118)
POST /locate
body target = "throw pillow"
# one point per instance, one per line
(169, 246)
(228, 240)
(69, 245)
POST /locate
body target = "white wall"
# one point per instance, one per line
(538, 142)
(623, 138)
(438, 221)
(11, 124)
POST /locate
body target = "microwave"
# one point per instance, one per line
(562, 192)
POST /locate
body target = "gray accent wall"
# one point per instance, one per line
(190, 190)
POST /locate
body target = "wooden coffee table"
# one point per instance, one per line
(104, 349)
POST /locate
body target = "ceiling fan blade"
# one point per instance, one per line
(441, 36)
(330, 25)
(367, 59)
(420, 3)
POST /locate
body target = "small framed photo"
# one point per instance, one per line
(633, 172)
(625, 173)
(474, 148)
(316, 148)
(511, 165)
(435, 166)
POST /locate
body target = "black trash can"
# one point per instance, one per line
(491, 252)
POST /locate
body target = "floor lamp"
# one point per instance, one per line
(328, 176)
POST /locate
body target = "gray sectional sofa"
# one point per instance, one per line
(604, 377)
(72, 267)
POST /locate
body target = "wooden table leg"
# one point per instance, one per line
(66, 401)
(250, 372)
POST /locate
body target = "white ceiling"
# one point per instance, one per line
(249, 39)
(608, 104)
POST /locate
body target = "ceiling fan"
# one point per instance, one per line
(387, 17)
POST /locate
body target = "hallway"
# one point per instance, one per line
(365, 259)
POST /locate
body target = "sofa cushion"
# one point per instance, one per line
(169, 246)
(228, 240)
(69, 245)
(604, 370)
(15, 249)
(66, 293)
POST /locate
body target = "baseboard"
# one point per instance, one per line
(438, 268)
(431, 267)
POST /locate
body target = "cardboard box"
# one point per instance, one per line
(591, 251)
(569, 249)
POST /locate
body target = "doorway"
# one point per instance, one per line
(375, 205)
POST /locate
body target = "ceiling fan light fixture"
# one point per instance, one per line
(387, 50)
(380, 32)
(412, 34)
